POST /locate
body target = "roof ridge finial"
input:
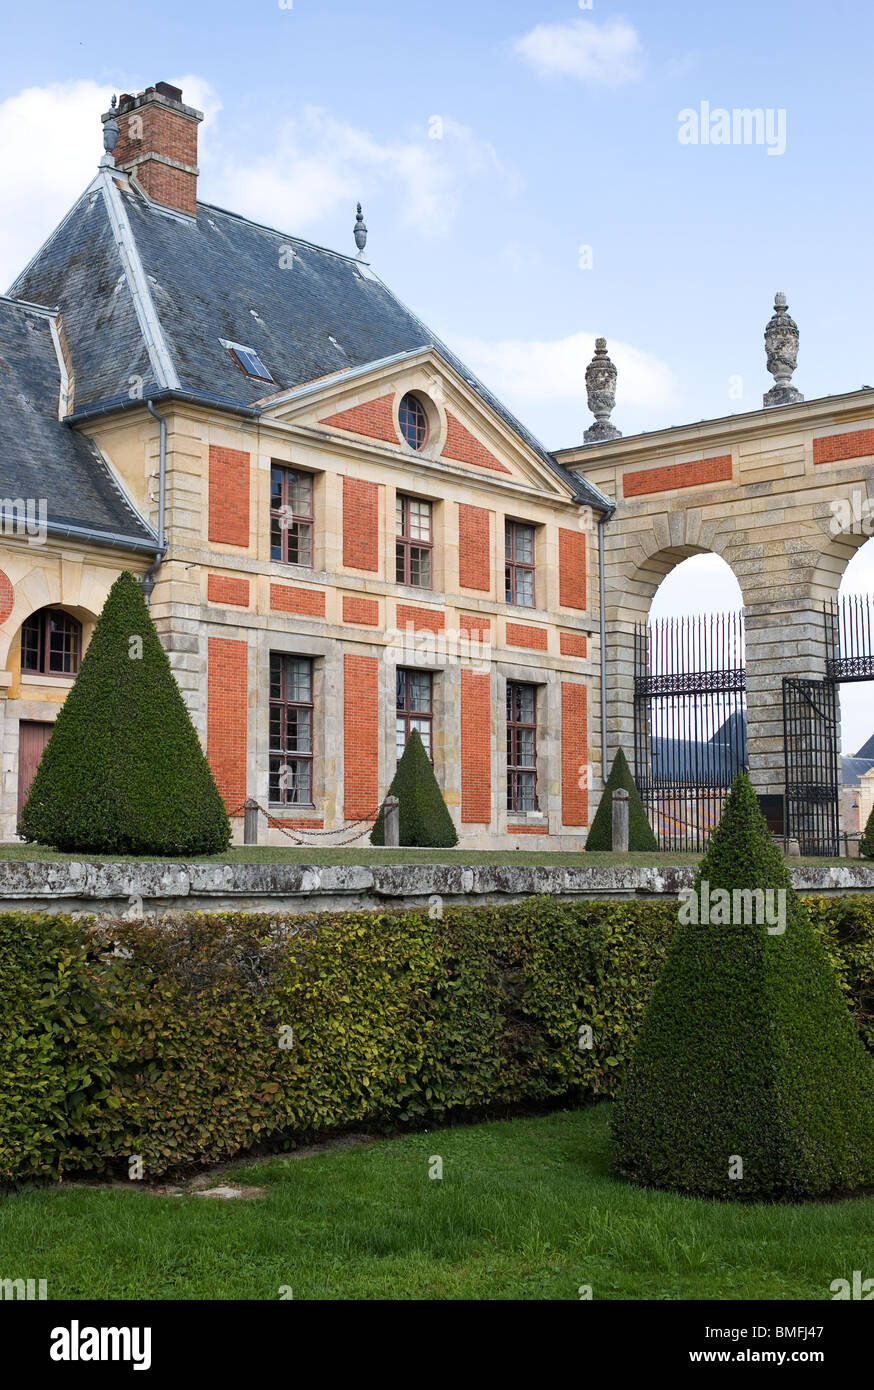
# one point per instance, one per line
(781, 346)
(360, 233)
(601, 393)
(110, 136)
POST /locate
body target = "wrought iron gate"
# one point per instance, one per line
(811, 738)
(689, 722)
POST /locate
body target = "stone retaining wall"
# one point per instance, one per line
(133, 889)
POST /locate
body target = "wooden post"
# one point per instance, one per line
(250, 822)
(620, 821)
(392, 821)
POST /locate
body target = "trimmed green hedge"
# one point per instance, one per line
(163, 1038)
(423, 818)
(749, 1080)
(640, 832)
(124, 772)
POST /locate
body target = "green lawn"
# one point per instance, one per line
(526, 1209)
(278, 854)
(362, 854)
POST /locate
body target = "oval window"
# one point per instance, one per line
(413, 421)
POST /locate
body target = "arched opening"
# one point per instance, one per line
(51, 643)
(855, 623)
(690, 700)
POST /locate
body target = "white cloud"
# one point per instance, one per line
(609, 53)
(551, 372)
(50, 143)
(318, 163)
(51, 140)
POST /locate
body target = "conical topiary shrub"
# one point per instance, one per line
(866, 843)
(123, 771)
(640, 833)
(424, 819)
(748, 1079)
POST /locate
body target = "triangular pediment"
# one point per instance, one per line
(463, 432)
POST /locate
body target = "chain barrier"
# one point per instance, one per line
(273, 823)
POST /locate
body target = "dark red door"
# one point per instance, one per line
(32, 739)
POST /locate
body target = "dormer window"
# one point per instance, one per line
(248, 361)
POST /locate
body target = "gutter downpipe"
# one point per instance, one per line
(148, 580)
(602, 526)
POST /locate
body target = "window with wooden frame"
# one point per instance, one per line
(415, 708)
(413, 421)
(414, 529)
(291, 730)
(291, 516)
(521, 747)
(519, 570)
(51, 643)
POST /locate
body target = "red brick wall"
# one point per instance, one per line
(309, 602)
(297, 824)
(360, 736)
(833, 448)
(228, 496)
(474, 548)
(7, 597)
(464, 447)
(221, 588)
(573, 644)
(476, 761)
(475, 626)
(226, 718)
(421, 619)
(360, 610)
(164, 132)
(534, 638)
(571, 568)
(527, 829)
(574, 754)
(675, 475)
(374, 418)
(360, 524)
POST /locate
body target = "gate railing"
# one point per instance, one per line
(690, 722)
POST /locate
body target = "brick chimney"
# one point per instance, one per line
(157, 143)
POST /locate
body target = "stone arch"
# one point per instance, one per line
(635, 566)
(79, 588)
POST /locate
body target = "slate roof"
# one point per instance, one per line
(41, 456)
(204, 277)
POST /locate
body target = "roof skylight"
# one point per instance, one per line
(247, 360)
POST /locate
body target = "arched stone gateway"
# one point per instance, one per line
(785, 495)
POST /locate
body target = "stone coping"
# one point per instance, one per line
(70, 885)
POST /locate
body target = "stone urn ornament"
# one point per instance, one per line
(781, 346)
(601, 393)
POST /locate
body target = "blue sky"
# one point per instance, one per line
(558, 130)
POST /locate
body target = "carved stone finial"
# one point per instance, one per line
(601, 393)
(360, 230)
(781, 345)
(110, 135)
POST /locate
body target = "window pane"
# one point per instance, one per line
(276, 488)
(419, 686)
(524, 545)
(400, 563)
(525, 588)
(526, 704)
(300, 494)
(399, 516)
(420, 521)
(420, 567)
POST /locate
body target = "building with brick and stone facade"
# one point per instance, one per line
(344, 535)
